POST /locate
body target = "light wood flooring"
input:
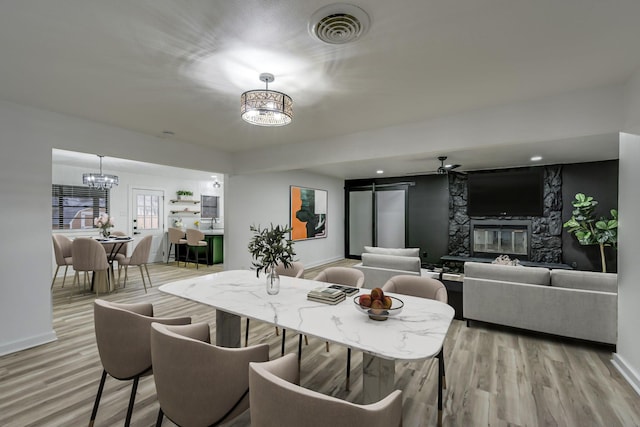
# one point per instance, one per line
(495, 376)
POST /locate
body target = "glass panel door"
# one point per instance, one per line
(360, 221)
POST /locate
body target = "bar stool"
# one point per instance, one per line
(176, 237)
(195, 239)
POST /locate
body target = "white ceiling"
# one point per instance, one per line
(162, 65)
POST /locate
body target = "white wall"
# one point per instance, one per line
(27, 136)
(627, 357)
(262, 199)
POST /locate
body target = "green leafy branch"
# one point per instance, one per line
(269, 246)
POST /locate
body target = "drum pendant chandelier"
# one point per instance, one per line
(100, 181)
(266, 107)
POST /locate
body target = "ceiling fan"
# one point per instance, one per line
(442, 169)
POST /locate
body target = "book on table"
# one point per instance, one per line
(348, 290)
(326, 294)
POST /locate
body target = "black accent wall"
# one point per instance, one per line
(600, 180)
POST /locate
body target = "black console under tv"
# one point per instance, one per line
(514, 192)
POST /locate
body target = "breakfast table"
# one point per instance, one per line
(416, 333)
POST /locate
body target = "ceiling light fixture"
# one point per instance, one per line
(99, 181)
(379, 171)
(536, 158)
(266, 107)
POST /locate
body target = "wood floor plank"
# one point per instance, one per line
(495, 376)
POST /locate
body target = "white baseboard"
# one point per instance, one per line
(627, 372)
(326, 261)
(26, 343)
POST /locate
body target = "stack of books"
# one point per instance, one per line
(327, 295)
(348, 290)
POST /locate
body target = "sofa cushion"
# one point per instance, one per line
(406, 263)
(508, 273)
(392, 251)
(587, 280)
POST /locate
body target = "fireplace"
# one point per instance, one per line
(490, 238)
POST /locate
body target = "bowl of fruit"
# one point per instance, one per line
(377, 305)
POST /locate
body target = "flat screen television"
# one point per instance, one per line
(517, 192)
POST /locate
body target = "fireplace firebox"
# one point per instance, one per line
(490, 238)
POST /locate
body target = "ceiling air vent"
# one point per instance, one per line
(339, 23)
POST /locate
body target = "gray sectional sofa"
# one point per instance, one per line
(381, 264)
(570, 303)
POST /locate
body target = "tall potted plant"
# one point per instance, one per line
(268, 247)
(592, 231)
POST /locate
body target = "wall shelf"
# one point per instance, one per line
(192, 202)
(184, 211)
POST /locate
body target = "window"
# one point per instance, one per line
(209, 207)
(75, 207)
(147, 211)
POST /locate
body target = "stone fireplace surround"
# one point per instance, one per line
(545, 238)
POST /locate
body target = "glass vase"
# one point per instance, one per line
(273, 281)
(105, 232)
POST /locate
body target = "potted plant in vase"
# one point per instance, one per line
(591, 231)
(268, 247)
(184, 194)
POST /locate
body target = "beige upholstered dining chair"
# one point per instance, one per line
(139, 257)
(195, 239)
(278, 401)
(123, 338)
(62, 250)
(342, 276)
(295, 270)
(423, 287)
(176, 237)
(89, 256)
(197, 383)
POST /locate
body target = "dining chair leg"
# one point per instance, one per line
(327, 345)
(132, 400)
(246, 334)
(64, 278)
(306, 340)
(126, 276)
(277, 331)
(169, 252)
(160, 417)
(284, 335)
(440, 377)
(148, 275)
(348, 368)
(441, 362)
(94, 412)
(54, 276)
(143, 281)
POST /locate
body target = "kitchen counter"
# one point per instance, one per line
(214, 232)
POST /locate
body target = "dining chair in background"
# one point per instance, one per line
(121, 251)
(62, 250)
(295, 270)
(139, 257)
(176, 238)
(123, 339)
(278, 401)
(198, 383)
(195, 240)
(429, 288)
(342, 276)
(89, 256)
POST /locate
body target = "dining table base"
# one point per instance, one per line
(378, 378)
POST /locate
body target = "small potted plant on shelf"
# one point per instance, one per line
(184, 194)
(268, 247)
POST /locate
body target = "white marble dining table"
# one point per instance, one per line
(417, 333)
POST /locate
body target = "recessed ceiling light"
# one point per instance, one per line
(379, 171)
(536, 158)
